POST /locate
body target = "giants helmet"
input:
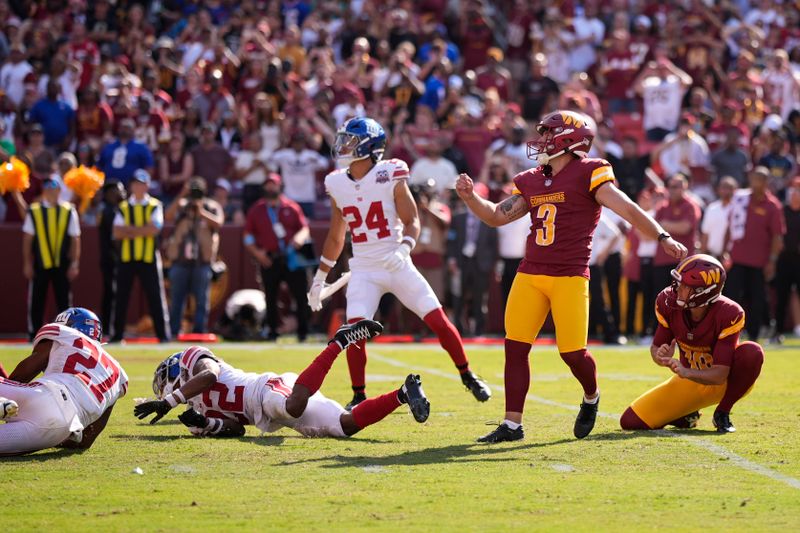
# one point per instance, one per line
(359, 138)
(83, 320)
(167, 375)
(562, 132)
(704, 275)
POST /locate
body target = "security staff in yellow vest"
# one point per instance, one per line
(136, 227)
(51, 248)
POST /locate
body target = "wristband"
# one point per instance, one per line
(410, 241)
(179, 396)
(171, 400)
(320, 275)
(663, 236)
(327, 262)
(213, 426)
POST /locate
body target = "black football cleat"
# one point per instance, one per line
(584, 423)
(476, 386)
(415, 397)
(722, 421)
(352, 333)
(686, 422)
(358, 397)
(503, 433)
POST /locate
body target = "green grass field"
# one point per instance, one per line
(426, 477)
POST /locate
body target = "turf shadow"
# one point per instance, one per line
(34, 457)
(472, 452)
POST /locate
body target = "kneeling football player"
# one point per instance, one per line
(223, 399)
(713, 368)
(70, 404)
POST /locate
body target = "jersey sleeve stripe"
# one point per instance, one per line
(515, 190)
(187, 357)
(600, 176)
(735, 328)
(661, 319)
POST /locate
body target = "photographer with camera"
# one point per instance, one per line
(191, 249)
(276, 235)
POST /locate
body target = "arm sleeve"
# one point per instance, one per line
(400, 170)
(191, 355)
(48, 332)
(157, 217)
(74, 229)
(118, 220)
(27, 226)
(601, 175)
(723, 350)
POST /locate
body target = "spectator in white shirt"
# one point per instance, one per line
(433, 166)
(604, 242)
(661, 85)
(683, 152)
(781, 85)
(14, 72)
(512, 240)
(298, 165)
(251, 169)
(589, 33)
(715, 219)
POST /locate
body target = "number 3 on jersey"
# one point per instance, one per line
(375, 220)
(547, 233)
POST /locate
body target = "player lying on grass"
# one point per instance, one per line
(713, 368)
(222, 399)
(70, 404)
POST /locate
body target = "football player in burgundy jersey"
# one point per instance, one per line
(224, 399)
(713, 368)
(563, 196)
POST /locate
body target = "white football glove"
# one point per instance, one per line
(397, 259)
(315, 294)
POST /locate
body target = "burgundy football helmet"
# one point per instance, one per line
(562, 132)
(704, 275)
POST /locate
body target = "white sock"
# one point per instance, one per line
(593, 400)
(510, 424)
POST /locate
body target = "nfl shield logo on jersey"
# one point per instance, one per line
(382, 176)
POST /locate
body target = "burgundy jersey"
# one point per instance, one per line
(709, 342)
(564, 215)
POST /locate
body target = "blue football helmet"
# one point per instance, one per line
(359, 138)
(167, 374)
(83, 320)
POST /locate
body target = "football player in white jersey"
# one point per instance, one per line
(370, 198)
(223, 399)
(70, 404)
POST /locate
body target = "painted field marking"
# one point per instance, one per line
(707, 445)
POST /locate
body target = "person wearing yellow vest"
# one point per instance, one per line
(51, 249)
(136, 227)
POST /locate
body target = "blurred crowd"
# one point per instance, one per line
(693, 100)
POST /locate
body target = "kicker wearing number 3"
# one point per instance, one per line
(370, 197)
(563, 196)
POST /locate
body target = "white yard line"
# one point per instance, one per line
(705, 444)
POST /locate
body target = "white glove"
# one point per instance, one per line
(397, 259)
(315, 294)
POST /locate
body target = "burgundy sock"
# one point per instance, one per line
(448, 337)
(517, 375)
(314, 374)
(583, 367)
(3, 373)
(630, 420)
(747, 361)
(375, 409)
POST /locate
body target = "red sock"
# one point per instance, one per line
(583, 368)
(747, 360)
(630, 420)
(314, 374)
(3, 373)
(517, 375)
(375, 409)
(448, 337)
(357, 362)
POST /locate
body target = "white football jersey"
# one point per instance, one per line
(368, 207)
(235, 395)
(94, 379)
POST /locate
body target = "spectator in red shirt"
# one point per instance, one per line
(85, 51)
(680, 217)
(274, 231)
(94, 119)
(755, 238)
(211, 161)
(493, 74)
(618, 68)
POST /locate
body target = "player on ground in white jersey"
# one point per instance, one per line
(70, 404)
(223, 399)
(371, 198)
